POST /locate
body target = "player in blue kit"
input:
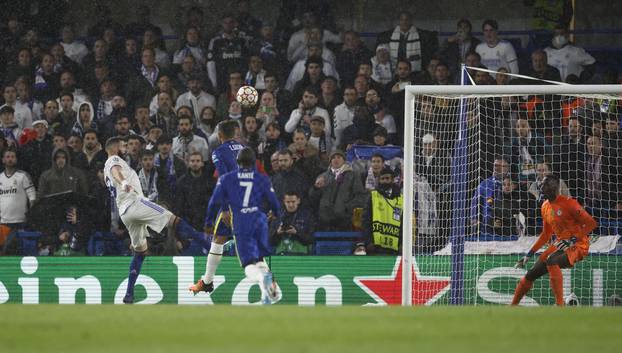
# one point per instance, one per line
(225, 160)
(245, 191)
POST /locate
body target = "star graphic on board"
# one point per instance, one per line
(388, 289)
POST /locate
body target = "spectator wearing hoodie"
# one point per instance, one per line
(85, 120)
(62, 176)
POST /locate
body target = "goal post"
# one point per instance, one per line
(460, 183)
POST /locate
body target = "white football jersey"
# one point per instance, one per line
(123, 199)
(502, 55)
(15, 192)
(569, 60)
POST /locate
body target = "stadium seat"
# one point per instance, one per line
(104, 243)
(335, 243)
(29, 242)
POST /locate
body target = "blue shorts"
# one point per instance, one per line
(251, 238)
(222, 228)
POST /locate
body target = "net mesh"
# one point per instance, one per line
(479, 163)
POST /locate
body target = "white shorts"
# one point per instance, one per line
(140, 215)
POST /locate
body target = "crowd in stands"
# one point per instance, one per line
(328, 123)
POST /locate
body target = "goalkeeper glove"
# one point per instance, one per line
(523, 261)
(564, 244)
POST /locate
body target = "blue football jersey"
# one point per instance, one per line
(225, 155)
(245, 191)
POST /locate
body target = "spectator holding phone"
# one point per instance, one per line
(292, 233)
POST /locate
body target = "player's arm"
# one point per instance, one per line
(587, 222)
(220, 166)
(545, 236)
(117, 175)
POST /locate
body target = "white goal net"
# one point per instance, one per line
(479, 154)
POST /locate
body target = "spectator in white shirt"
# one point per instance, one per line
(344, 113)
(74, 50)
(23, 115)
(496, 53)
(196, 98)
(566, 57)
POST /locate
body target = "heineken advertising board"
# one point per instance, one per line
(313, 280)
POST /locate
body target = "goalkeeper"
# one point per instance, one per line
(571, 224)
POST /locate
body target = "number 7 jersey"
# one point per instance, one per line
(245, 191)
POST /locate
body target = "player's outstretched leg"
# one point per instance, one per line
(538, 270)
(135, 266)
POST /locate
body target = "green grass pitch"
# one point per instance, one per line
(172, 328)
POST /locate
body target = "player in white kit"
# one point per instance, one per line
(136, 211)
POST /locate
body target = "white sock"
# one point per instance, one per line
(213, 260)
(263, 266)
(255, 274)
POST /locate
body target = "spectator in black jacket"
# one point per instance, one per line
(289, 178)
(193, 191)
(292, 233)
(36, 155)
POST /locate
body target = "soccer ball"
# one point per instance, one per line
(247, 96)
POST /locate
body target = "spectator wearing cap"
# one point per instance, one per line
(301, 67)
(23, 114)
(11, 131)
(381, 66)
(195, 98)
(62, 176)
(318, 138)
(84, 120)
(353, 51)
(336, 193)
(36, 155)
(169, 167)
(382, 218)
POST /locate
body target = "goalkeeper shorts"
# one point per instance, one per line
(575, 253)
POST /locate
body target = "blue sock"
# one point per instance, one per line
(185, 230)
(135, 265)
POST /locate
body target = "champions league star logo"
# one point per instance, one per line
(387, 290)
